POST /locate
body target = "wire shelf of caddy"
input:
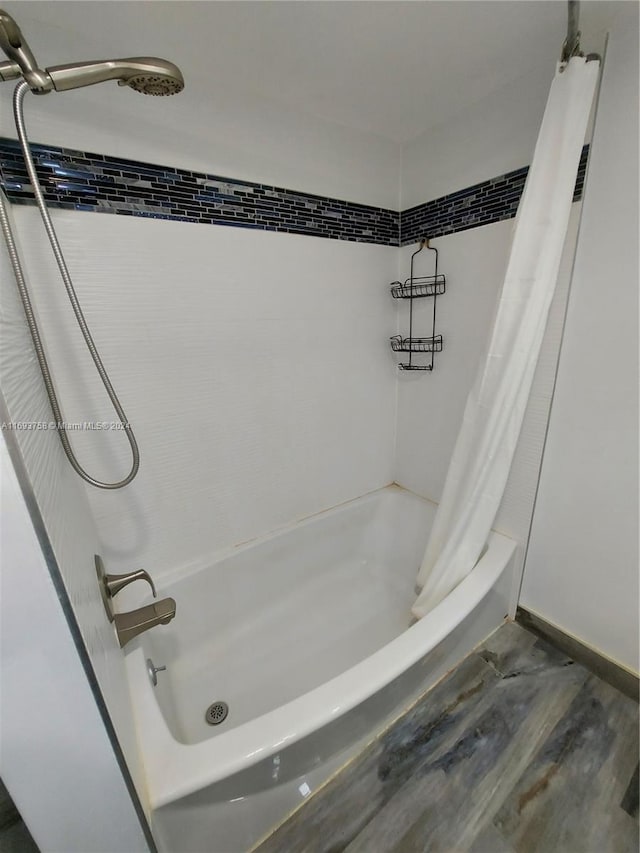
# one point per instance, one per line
(411, 345)
(424, 285)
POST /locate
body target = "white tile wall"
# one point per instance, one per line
(64, 507)
(253, 366)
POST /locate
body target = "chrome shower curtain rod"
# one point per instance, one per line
(571, 46)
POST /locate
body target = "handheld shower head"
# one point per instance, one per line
(146, 74)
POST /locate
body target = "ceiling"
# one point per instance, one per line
(394, 69)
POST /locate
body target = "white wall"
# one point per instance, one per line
(55, 751)
(582, 567)
(253, 366)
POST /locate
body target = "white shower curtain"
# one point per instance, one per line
(495, 408)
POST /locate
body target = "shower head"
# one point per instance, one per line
(146, 74)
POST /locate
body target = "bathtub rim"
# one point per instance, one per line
(174, 770)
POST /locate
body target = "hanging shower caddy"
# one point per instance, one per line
(418, 287)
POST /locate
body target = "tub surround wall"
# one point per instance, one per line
(253, 366)
(582, 568)
(290, 332)
(244, 359)
(62, 502)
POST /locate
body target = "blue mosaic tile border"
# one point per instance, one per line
(77, 180)
(481, 204)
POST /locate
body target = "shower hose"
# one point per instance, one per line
(18, 112)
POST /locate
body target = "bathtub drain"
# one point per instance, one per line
(216, 713)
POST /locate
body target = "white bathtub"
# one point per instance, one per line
(306, 635)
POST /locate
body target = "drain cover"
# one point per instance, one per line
(216, 713)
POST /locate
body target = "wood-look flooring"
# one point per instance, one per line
(517, 750)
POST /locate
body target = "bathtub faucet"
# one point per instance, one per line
(129, 625)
